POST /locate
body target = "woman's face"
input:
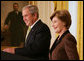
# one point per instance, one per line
(57, 24)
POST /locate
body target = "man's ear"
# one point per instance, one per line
(35, 15)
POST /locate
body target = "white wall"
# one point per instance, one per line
(73, 11)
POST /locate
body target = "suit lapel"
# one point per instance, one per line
(54, 45)
(58, 41)
(32, 31)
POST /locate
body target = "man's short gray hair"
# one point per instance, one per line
(33, 9)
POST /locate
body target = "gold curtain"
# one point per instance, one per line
(59, 5)
(80, 29)
(32, 2)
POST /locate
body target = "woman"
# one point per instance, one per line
(64, 47)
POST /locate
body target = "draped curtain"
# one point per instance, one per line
(32, 2)
(59, 5)
(80, 29)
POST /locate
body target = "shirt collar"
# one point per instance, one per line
(34, 23)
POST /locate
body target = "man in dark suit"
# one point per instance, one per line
(16, 26)
(37, 42)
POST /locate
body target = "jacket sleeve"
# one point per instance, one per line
(71, 49)
(7, 19)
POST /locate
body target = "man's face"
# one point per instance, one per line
(27, 17)
(15, 7)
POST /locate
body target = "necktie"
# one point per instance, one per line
(29, 28)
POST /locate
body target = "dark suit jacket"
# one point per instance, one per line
(16, 21)
(16, 27)
(38, 42)
(64, 48)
